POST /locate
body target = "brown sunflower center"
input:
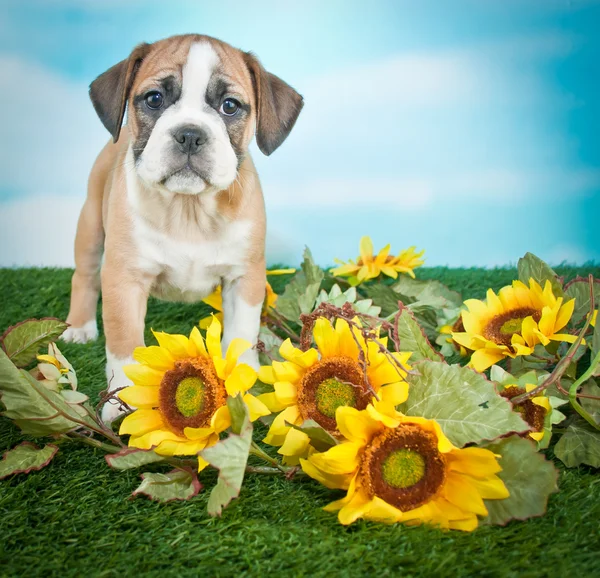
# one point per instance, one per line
(501, 328)
(403, 467)
(189, 394)
(329, 384)
(532, 413)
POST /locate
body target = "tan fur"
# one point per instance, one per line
(106, 222)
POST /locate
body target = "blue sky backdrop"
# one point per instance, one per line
(466, 127)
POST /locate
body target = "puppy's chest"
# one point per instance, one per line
(189, 271)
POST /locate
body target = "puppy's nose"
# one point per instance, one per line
(189, 139)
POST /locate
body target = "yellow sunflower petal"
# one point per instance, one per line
(354, 509)
(176, 345)
(143, 374)
(394, 393)
(198, 433)
(140, 396)
(154, 439)
(356, 426)
(490, 487)
(221, 419)
(333, 482)
(460, 492)
(198, 342)
(256, 408)
(213, 339)
(296, 443)
(484, 358)
(326, 338)
(340, 459)
(140, 422)
(366, 248)
(155, 357)
(241, 379)
(271, 401)
(236, 348)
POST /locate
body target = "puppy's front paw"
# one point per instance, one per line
(88, 332)
(116, 379)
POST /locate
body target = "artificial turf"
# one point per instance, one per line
(75, 518)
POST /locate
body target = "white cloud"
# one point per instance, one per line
(39, 231)
(50, 132)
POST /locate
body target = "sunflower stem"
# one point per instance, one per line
(109, 448)
(256, 450)
(573, 392)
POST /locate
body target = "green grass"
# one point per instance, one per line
(75, 518)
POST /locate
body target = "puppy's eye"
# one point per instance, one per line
(230, 106)
(154, 99)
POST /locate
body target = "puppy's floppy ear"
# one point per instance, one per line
(278, 106)
(110, 91)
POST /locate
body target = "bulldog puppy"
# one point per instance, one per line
(174, 205)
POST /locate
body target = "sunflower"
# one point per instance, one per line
(215, 299)
(513, 322)
(368, 266)
(532, 410)
(404, 469)
(180, 388)
(311, 385)
(457, 326)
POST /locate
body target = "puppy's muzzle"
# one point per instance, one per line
(190, 139)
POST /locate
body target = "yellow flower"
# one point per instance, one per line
(513, 322)
(449, 330)
(215, 299)
(533, 410)
(180, 388)
(311, 385)
(594, 318)
(368, 266)
(404, 469)
(54, 371)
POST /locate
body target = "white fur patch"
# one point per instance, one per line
(191, 109)
(240, 320)
(115, 378)
(87, 332)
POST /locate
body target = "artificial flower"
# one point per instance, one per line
(180, 389)
(533, 410)
(54, 371)
(457, 326)
(513, 322)
(369, 266)
(215, 299)
(404, 469)
(312, 384)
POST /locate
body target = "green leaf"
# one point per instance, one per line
(301, 293)
(580, 444)
(26, 458)
(238, 412)
(462, 401)
(23, 341)
(532, 267)
(338, 298)
(411, 337)
(385, 297)
(320, 439)
(592, 406)
(230, 457)
(130, 458)
(179, 484)
(35, 409)
(579, 289)
(595, 346)
(432, 292)
(529, 478)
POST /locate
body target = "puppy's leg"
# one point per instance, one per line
(124, 301)
(85, 284)
(242, 305)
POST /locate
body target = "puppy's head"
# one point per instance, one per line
(194, 104)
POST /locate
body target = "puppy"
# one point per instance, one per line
(174, 205)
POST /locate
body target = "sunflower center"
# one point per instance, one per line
(532, 413)
(189, 394)
(331, 394)
(403, 467)
(329, 384)
(502, 327)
